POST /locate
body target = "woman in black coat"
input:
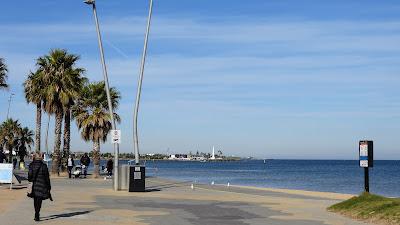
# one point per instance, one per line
(39, 176)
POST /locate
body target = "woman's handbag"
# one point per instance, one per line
(29, 189)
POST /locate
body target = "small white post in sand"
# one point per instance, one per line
(192, 187)
(212, 183)
(228, 184)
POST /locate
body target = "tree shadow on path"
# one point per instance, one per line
(65, 215)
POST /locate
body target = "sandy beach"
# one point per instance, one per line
(79, 201)
(330, 195)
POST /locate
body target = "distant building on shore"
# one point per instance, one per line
(199, 156)
(179, 157)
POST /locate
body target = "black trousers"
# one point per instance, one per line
(37, 203)
(70, 171)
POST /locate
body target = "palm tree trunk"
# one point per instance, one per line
(47, 135)
(96, 158)
(55, 168)
(67, 138)
(38, 126)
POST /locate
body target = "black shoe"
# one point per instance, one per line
(37, 217)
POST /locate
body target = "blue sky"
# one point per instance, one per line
(274, 79)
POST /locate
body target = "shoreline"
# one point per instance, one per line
(320, 194)
(305, 193)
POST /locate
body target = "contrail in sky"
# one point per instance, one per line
(117, 49)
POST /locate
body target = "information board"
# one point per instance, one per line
(366, 154)
(6, 173)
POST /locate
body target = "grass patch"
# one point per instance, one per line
(369, 207)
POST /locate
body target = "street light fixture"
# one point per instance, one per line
(107, 87)
(89, 2)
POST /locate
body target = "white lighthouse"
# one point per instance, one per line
(213, 154)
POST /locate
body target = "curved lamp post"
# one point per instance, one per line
(139, 89)
(113, 125)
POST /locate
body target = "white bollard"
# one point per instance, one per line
(212, 183)
(192, 187)
(228, 184)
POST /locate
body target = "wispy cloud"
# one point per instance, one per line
(319, 35)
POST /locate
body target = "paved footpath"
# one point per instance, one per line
(88, 201)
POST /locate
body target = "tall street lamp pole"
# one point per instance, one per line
(139, 89)
(9, 104)
(113, 125)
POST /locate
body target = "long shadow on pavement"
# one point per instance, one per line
(65, 215)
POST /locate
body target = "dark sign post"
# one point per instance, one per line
(366, 153)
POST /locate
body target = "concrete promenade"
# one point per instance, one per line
(88, 201)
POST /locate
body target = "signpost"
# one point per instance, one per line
(366, 153)
(116, 136)
(6, 173)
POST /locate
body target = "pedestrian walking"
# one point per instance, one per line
(85, 161)
(39, 176)
(110, 166)
(2, 157)
(70, 165)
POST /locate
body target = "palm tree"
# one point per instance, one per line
(33, 88)
(9, 135)
(3, 74)
(25, 141)
(60, 77)
(93, 118)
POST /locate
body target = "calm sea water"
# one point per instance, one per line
(341, 176)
